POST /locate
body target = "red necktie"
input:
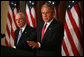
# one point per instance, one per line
(43, 31)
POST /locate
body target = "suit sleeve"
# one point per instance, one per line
(15, 35)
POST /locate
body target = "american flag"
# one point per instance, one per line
(11, 25)
(56, 6)
(72, 44)
(31, 13)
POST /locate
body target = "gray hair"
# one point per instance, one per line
(22, 14)
(48, 5)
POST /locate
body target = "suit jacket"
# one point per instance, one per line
(24, 37)
(51, 42)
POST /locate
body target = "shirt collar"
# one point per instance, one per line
(23, 27)
(48, 23)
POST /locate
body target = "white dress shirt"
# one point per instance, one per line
(23, 28)
(48, 23)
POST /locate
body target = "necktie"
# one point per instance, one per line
(43, 31)
(19, 36)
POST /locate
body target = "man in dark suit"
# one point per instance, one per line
(22, 34)
(49, 34)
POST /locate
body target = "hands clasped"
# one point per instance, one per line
(33, 44)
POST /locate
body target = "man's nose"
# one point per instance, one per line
(45, 15)
(18, 21)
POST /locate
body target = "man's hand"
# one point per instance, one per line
(33, 44)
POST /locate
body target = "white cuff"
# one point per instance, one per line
(39, 44)
(14, 47)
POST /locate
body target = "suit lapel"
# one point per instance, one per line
(16, 36)
(49, 30)
(23, 36)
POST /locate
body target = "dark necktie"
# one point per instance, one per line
(43, 31)
(19, 36)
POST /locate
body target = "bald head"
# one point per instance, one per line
(20, 19)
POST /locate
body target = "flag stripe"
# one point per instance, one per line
(14, 23)
(8, 32)
(28, 15)
(11, 41)
(12, 33)
(11, 21)
(75, 17)
(63, 52)
(76, 41)
(74, 37)
(73, 31)
(69, 45)
(76, 29)
(11, 24)
(80, 19)
(7, 35)
(8, 26)
(7, 39)
(6, 42)
(9, 17)
(32, 19)
(65, 48)
(70, 26)
(27, 19)
(76, 7)
(31, 14)
(74, 49)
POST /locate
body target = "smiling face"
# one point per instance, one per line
(20, 20)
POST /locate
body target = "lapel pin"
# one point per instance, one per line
(25, 32)
(49, 28)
